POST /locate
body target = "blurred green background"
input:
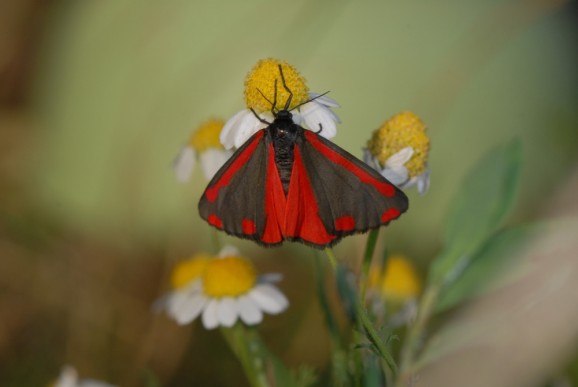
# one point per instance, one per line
(97, 98)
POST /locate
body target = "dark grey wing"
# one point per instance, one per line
(234, 200)
(351, 196)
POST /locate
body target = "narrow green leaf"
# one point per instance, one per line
(485, 198)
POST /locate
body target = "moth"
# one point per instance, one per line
(290, 183)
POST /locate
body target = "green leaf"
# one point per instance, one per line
(496, 256)
(483, 201)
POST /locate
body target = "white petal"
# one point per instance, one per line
(423, 182)
(227, 135)
(211, 315)
(228, 251)
(270, 278)
(269, 298)
(370, 160)
(324, 100)
(184, 164)
(316, 116)
(190, 309)
(228, 311)
(249, 311)
(68, 377)
(212, 160)
(399, 158)
(397, 175)
(248, 126)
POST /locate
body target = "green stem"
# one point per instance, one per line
(332, 260)
(338, 358)
(245, 344)
(367, 258)
(415, 334)
(374, 337)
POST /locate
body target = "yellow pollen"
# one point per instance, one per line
(207, 136)
(402, 130)
(400, 281)
(229, 276)
(189, 270)
(262, 78)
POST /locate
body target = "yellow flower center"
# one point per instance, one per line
(402, 130)
(400, 280)
(207, 136)
(260, 86)
(229, 276)
(189, 270)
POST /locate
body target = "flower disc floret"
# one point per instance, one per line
(400, 280)
(189, 270)
(403, 130)
(207, 136)
(261, 81)
(228, 277)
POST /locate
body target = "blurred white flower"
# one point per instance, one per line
(203, 145)
(69, 378)
(222, 290)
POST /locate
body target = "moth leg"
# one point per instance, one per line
(259, 118)
(320, 128)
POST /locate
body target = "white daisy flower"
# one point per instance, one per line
(399, 150)
(203, 145)
(69, 378)
(222, 290)
(263, 86)
(396, 172)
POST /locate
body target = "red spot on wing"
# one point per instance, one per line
(389, 214)
(248, 226)
(212, 192)
(345, 223)
(214, 220)
(302, 213)
(383, 187)
(275, 202)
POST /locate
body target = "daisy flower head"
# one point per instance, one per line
(265, 92)
(69, 378)
(397, 281)
(222, 290)
(395, 288)
(204, 145)
(399, 151)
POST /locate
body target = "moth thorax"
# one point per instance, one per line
(283, 144)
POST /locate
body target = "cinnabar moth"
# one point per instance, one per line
(289, 183)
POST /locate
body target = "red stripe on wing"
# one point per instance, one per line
(213, 191)
(345, 223)
(302, 212)
(384, 188)
(390, 214)
(275, 202)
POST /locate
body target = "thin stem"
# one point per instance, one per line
(415, 334)
(374, 337)
(246, 346)
(367, 258)
(331, 256)
(338, 358)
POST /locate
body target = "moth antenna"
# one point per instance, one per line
(259, 118)
(274, 104)
(286, 88)
(309, 100)
(265, 97)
